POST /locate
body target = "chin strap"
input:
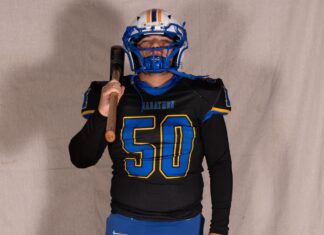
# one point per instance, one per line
(186, 75)
(180, 74)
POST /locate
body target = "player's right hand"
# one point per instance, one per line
(106, 91)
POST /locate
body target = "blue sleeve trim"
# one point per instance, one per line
(87, 113)
(227, 100)
(212, 112)
(85, 99)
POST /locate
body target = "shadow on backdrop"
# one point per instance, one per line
(45, 102)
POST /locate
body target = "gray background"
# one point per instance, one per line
(270, 55)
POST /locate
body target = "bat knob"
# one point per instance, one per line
(110, 136)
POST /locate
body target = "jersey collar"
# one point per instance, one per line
(156, 90)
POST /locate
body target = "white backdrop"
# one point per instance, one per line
(270, 55)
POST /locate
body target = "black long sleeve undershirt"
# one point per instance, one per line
(87, 146)
(217, 153)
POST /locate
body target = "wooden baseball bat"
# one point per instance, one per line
(117, 56)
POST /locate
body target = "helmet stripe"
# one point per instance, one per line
(153, 15)
(148, 16)
(159, 16)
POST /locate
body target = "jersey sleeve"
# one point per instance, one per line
(218, 157)
(87, 146)
(217, 97)
(213, 105)
(91, 99)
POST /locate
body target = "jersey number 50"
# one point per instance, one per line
(176, 142)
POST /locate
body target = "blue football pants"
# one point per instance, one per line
(122, 225)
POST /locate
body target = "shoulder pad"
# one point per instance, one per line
(215, 94)
(221, 104)
(91, 98)
(211, 84)
(220, 99)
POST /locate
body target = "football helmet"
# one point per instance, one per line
(155, 22)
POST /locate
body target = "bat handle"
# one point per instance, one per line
(111, 121)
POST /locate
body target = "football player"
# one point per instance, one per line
(167, 121)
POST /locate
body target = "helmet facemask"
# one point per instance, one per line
(171, 55)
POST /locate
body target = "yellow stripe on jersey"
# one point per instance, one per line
(220, 110)
(87, 112)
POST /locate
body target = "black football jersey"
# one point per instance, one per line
(159, 147)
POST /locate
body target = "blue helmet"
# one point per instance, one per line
(155, 22)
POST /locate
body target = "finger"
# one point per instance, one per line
(113, 83)
(110, 91)
(121, 92)
(110, 86)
